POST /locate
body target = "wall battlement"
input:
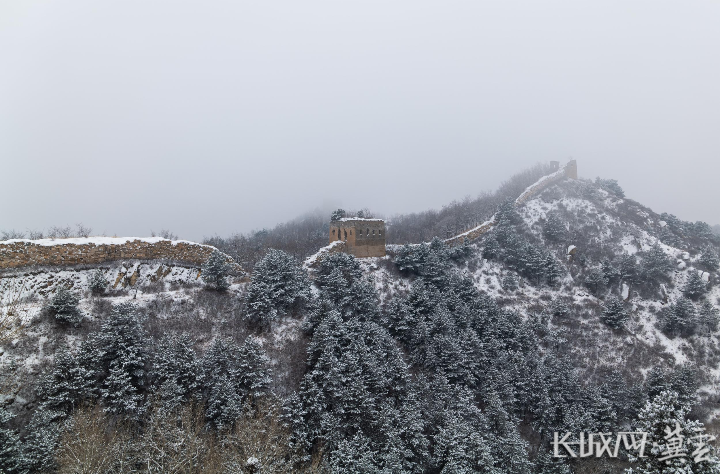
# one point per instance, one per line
(362, 237)
(18, 253)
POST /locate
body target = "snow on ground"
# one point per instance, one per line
(310, 261)
(20, 285)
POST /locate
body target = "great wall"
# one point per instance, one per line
(18, 253)
(568, 171)
(357, 236)
(345, 234)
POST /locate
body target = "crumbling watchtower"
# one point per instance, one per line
(363, 237)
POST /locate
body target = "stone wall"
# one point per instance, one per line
(61, 252)
(362, 237)
(470, 235)
(569, 171)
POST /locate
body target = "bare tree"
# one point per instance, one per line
(91, 443)
(166, 234)
(83, 231)
(32, 234)
(12, 234)
(60, 232)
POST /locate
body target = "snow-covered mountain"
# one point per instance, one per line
(576, 312)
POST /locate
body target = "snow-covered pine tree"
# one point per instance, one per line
(254, 375)
(508, 449)
(491, 248)
(680, 318)
(63, 307)
(610, 185)
(554, 228)
(121, 356)
(41, 441)
(596, 281)
(507, 215)
(695, 287)
(510, 282)
(338, 214)
(553, 270)
(627, 267)
(614, 314)
(224, 403)
(354, 456)
(664, 418)
(708, 317)
(709, 258)
(11, 460)
(66, 385)
(98, 283)
(656, 265)
(231, 377)
(279, 286)
(176, 369)
(215, 271)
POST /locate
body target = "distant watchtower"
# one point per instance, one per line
(571, 170)
(363, 237)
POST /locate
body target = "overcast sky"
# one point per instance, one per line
(214, 117)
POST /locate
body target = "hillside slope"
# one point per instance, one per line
(575, 312)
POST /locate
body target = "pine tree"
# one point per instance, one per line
(554, 228)
(64, 387)
(176, 370)
(215, 271)
(224, 403)
(656, 265)
(231, 377)
(610, 185)
(279, 286)
(553, 270)
(510, 282)
(507, 215)
(121, 356)
(596, 281)
(41, 441)
(612, 274)
(558, 308)
(459, 440)
(337, 215)
(680, 318)
(63, 307)
(660, 418)
(708, 317)
(695, 287)
(508, 449)
(627, 267)
(614, 314)
(354, 456)
(709, 258)
(492, 249)
(254, 375)
(11, 460)
(546, 463)
(98, 283)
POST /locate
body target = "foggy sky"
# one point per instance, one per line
(215, 117)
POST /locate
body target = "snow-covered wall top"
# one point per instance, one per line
(345, 220)
(568, 171)
(94, 250)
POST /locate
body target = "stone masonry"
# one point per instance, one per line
(569, 171)
(363, 237)
(23, 253)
